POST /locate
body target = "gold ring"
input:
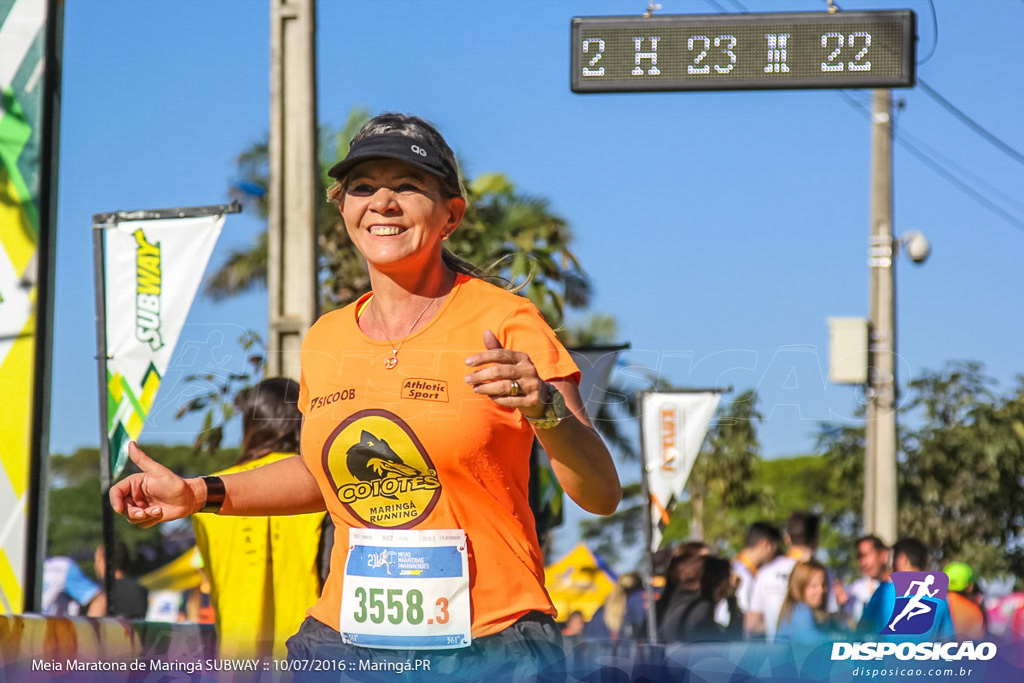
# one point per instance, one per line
(515, 389)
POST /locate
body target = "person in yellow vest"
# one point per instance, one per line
(263, 571)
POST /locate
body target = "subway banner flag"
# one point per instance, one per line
(152, 270)
(673, 426)
(23, 145)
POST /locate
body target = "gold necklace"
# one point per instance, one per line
(390, 363)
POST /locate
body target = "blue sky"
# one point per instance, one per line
(720, 229)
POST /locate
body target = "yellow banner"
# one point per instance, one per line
(22, 35)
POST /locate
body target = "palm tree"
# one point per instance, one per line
(517, 237)
(246, 269)
(514, 236)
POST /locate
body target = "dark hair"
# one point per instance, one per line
(691, 548)
(686, 573)
(761, 531)
(675, 558)
(271, 420)
(701, 574)
(802, 528)
(914, 550)
(120, 555)
(875, 542)
(717, 570)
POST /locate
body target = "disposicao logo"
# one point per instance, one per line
(917, 598)
(916, 606)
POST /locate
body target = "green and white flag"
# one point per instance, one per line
(152, 270)
(27, 83)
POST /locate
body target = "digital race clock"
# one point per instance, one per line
(744, 51)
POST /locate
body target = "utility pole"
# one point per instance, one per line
(294, 170)
(880, 430)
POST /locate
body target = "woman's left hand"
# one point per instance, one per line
(510, 379)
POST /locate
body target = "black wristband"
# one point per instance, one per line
(214, 494)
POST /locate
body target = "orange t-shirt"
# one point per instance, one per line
(968, 620)
(415, 448)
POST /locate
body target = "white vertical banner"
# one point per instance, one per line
(152, 270)
(674, 425)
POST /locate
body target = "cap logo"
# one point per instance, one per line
(418, 150)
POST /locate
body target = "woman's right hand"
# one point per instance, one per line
(156, 494)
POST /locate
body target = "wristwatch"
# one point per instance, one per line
(554, 410)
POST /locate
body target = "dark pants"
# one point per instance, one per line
(528, 650)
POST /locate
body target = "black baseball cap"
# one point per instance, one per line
(419, 153)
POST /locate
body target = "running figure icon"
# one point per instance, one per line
(915, 606)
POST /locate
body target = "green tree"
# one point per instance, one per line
(723, 494)
(960, 489)
(217, 391)
(342, 274)
(842, 452)
(961, 452)
(610, 536)
(616, 421)
(720, 486)
(804, 483)
(517, 237)
(75, 510)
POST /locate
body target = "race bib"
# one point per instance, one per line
(406, 590)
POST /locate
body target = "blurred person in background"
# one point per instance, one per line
(263, 570)
(873, 558)
(804, 617)
(130, 598)
(67, 591)
(760, 546)
(772, 583)
(909, 554)
(964, 608)
(665, 562)
(688, 611)
(623, 613)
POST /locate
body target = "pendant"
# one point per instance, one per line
(390, 363)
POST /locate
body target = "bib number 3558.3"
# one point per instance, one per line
(406, 589)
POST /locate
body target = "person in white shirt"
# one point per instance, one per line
(67, 591)
(760, 545)
(772, 579)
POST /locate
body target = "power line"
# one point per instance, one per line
(971, 123)
(980, 198)
(923, 156)
(935, 33)
(941, 169)
(978, 180)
